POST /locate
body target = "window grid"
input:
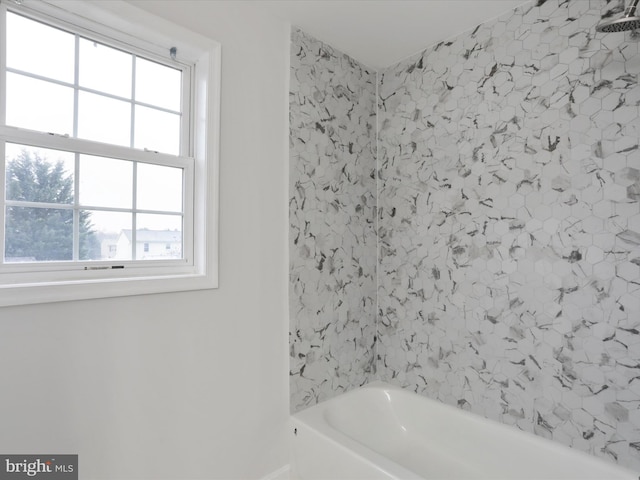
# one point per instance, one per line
(76, 206)
(134, 214)
(80, 88)
(77, 88)
(132, 127)
(76, 84)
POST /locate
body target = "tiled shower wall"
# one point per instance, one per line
(508, 225)
(332, 245)
(509, 274)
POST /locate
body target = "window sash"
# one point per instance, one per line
(141, 49)
(81, 146)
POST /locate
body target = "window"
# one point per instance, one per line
(107, 143)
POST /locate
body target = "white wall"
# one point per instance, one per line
(184, 385)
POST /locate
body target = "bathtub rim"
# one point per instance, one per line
(315, 419)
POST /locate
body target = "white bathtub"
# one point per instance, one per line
(383, 432)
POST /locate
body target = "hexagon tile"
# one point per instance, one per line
(332, 243)
(509, 225)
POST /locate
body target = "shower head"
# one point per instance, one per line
(630, 21)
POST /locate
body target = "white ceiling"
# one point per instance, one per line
(380, 33)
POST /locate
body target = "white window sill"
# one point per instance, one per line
(11, 295)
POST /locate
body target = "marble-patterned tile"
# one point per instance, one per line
(509, 225)
(332, 237)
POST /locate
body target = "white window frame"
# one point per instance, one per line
(62, 281)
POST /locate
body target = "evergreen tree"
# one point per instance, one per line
(43, 234)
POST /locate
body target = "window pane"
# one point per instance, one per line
(111, 238)
(157, 84)
(158, 231)
(37, 48)
(157, 130)
(38, 234)
(38, 174)
(105, 69)
(104, 119)
(106, 182)
(39, 105)
(159, 188)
